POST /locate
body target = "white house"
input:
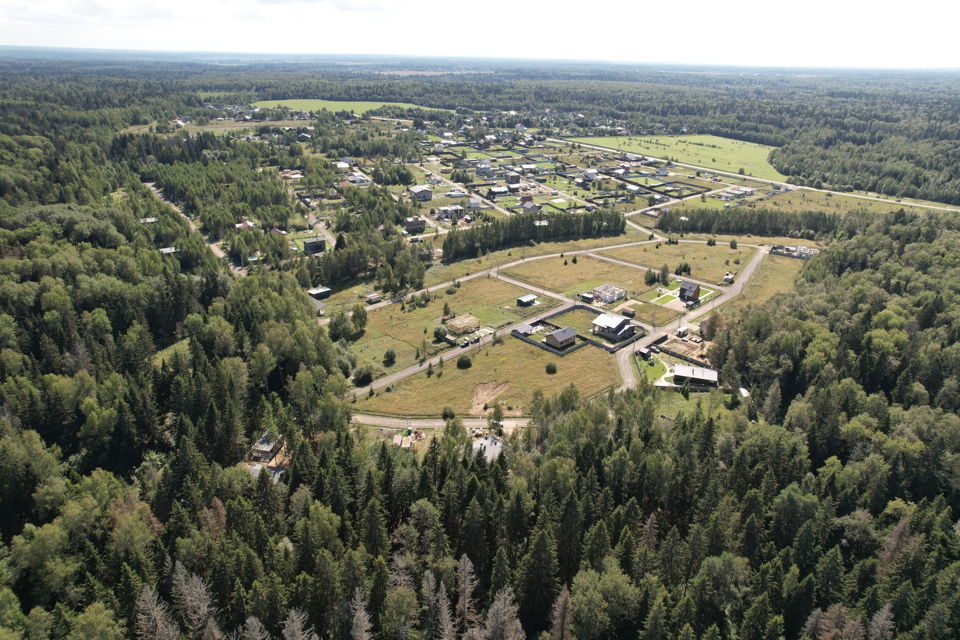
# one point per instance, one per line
(612, 326)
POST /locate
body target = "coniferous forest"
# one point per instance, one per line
(132, 382)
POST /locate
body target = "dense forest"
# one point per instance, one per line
(133, 382)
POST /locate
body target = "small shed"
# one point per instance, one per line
(527, 301)
(373, 298)
(319, 293)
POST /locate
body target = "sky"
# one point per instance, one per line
(814, 33)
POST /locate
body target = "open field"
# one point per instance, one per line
(571, 279)
(773, 275)
(706, 263)
(648, 312)
(491, 301)
(439, 272)
(514, 368)
(331, 105)
(704, 151)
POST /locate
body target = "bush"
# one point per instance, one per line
(551, 368)
(439, 333)
(451, 290)
(733, 244)
(448, 413)
(711, 242)
(464, 362)
(390, 357)
(362, 376)
(574, 259)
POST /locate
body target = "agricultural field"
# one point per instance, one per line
(331, 105)
(706, 263)
(571, 279)
(508, 373)
(491, 301)
(702, 150)
(654, 314)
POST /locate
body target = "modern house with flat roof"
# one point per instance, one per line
(695, 375)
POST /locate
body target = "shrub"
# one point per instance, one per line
(439, 332)
(574, 259)
(448, 413)
(390, 357)
(362, 376)
(551, 368)
(464, 362)
(711, 242)
(733, 244)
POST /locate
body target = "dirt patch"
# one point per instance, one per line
(486, 393)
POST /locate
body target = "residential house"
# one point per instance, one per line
(561, 338)
(512, 177)
(520, 127)
(689, 292)
(422, 193)
(319, 293)
(314, 247)
(695, 375)
(416, 225)
(589, 175)
(453, 212)
(613, 327)
(474, 204)
(531, 207)
(303, 137)
(267, 447)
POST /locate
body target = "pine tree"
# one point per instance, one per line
(537, 581)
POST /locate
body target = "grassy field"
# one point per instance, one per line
(580, 319)
(571, 279)
(520, 366)
(773, 275)
(491, 301)
(704, 151)
(331, 105)
(706, 263)
(647, 312)
(440, 272)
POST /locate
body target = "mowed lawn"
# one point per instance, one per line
(491, 301)
(332, 105)
(773, 275)
(704, 151)
(706, 263)
(571, 279)
(520, 365)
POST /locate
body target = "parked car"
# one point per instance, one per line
(464, 344)
(475, 339)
